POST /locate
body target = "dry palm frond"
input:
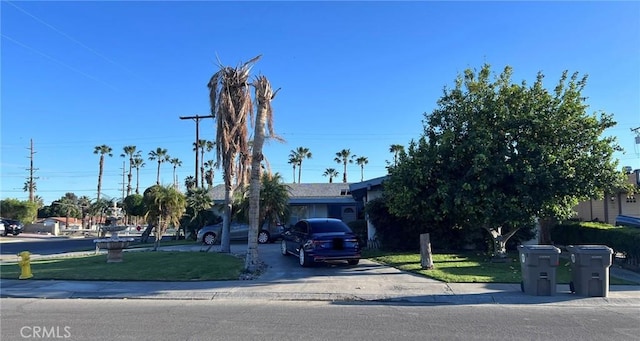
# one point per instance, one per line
(230, 101)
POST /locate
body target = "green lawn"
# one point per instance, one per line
(137, 266)
(471, 268)
(211, 266)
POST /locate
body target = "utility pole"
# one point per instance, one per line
(31, 185)
(197, 119)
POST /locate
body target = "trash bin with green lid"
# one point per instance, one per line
(538, 264)
(590, 269)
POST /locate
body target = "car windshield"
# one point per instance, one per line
(328, 226)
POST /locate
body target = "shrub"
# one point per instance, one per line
(625, 240)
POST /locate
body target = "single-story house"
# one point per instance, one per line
(313, 200)
(363, 192)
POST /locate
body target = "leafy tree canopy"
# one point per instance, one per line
(25, 211)
(497, 154)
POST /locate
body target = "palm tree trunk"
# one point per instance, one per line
(344, 174)
(252, 261)
(100, 176)
(158, 174)
(225, 243)
(137, 180)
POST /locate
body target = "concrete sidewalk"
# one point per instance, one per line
(368, 282)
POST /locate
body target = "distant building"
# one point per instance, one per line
(607, 207)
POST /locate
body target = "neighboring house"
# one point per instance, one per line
(606, 209)
(313, 200)
(363, 192)
(62, 221)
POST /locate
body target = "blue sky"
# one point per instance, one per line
(355, 75)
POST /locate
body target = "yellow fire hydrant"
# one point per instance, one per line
(25, 265)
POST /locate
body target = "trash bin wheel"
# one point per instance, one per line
(572, 288)
(522, 286)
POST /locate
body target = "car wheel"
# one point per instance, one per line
(353, 261)
(304, 259)
(263, 237)
(283, 248)
(209, 238)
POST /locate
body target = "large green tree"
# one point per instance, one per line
(25, 211)
(497, 155)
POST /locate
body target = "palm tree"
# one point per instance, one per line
(102, 150)
(274, 198)
(300, 154)
(84, 203)
(294, 160)
(230, 101)
(190, 182)
(396, 149)
(208, 145)
(361, 161)
(165, 206)
(343, 158)
(176, 163)
(138, 162)
(210, 164)
(161, 156)
(198, 201)
(264, 123)
(331, 173)
(129, 151)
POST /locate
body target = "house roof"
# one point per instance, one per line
(359, 189)
(62, 220)
(306, 193)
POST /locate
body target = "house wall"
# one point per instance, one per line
(606, 208)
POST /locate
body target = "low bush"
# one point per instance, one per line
(625, 240)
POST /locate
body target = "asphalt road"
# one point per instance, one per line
(80, 319)
(44, 246)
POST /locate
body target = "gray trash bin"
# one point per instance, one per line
(538, 264)
(590, 269)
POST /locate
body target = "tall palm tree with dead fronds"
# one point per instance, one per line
(264, 121)
(102, 151)
(230, 101)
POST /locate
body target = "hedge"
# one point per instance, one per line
(625, 240)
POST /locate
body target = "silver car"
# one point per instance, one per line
(212, 234)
